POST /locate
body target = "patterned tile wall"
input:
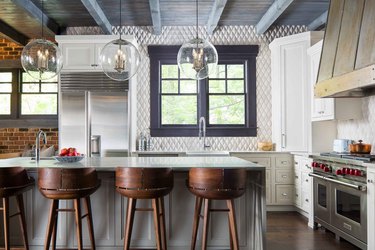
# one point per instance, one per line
(225, 35)
(360, 129)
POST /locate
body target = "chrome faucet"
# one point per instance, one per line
(202, 132)
(37, 144)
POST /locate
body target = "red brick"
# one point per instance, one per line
(13, 138)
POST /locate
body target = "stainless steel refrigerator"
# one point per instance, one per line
(93, 114)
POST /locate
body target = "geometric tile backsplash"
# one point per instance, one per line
(224, 35)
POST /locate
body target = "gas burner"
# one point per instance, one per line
(358, 157)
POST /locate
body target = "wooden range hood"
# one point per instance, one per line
(347, 64)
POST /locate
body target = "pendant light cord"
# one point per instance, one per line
(42, 20)
(196, 13)
(120, 21)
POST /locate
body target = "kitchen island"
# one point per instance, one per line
(108, 207)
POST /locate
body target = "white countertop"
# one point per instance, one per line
(110, 163)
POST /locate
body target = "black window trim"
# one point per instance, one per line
(16, 119)
(227, 53)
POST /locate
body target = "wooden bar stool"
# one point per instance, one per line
(68, 184)
(145, 183)
(14, 181)
(216, 184)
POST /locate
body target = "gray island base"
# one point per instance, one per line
(109, 207)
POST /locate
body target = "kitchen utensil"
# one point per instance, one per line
(341, 145)
(360, 148)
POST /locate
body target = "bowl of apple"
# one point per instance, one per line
(69, 155)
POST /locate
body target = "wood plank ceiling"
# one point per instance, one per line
(21, 19)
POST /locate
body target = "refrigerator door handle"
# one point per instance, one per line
(88, 123)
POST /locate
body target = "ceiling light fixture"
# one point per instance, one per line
(119, 58)
(41, 58)
(197, 58)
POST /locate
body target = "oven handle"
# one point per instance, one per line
(357, 187)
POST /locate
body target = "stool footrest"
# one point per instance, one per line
(219, 210)
(10, 216)
(144, 209)
(65, 210)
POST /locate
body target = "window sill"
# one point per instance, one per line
(28, 123)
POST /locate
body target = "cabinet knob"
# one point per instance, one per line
(370, 181)
(296, 176)
(307, 200)
(94, 65)
(284, 176)
(307, 180)
(295, 163)
(296, 195)
(284, 194)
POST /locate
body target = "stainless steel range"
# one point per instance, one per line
(340, 202)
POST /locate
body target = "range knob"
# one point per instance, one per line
(352, 171)
(314, 164)
(322, 166)
(338, 172)
(358, 172)
(327, 169)
(345, 171)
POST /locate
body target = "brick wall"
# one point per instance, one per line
(15, 139)
(9, 50)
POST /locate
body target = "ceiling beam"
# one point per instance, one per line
(155, 15)
(214, 18)
(97, 13)
(11, 34)
(273, 12)
(318, 22)
(36, 13)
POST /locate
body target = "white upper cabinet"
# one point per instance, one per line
(291, 91)
(323, 109)
(81, 53)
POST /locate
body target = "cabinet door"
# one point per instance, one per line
(102, 207)
(78, 56)
(293, 110)
(269, 186)
(284, 194)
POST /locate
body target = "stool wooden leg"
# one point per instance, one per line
(54, 232)
(206, 220)
(77, 207)
(129, 222)
(230, 233)
(197, 212)
(162, 224)
(156, 211)
(6, 222)
(90, 222)
(51, 222)
(22, 218)
(233, 224)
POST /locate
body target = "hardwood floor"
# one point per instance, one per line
(289, 231)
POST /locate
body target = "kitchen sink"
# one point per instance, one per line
(42, 158)
(207, 153)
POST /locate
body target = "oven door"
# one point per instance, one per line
(322, 197)
(349, 210)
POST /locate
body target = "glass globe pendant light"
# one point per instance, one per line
(197, 58)
(119, 58)
(41, 59)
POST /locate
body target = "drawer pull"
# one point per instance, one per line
(307, 180)
(284, 194)
(307, 200)
(307, 166)
(295, 163)
(255, 162)
(284, 176)
(296, 176)
(296, 195)
(94, 65)
(370, 181)
(284, 162)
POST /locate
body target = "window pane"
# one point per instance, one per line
(227, 109)
(219, 73)
(49, 87)
(30, 87)
(235, 71)
(169, 86)
(39, 104)
(5, 104)
(236, 86)
(5, 87)
(216, 86)
(187, 86)
(6, 77)
(169, 71)
(27, 78)
(179, 110)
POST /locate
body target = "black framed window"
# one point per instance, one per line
(227, 99)
(25, 99)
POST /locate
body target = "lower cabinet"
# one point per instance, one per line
(303, 184)
(279, 176)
